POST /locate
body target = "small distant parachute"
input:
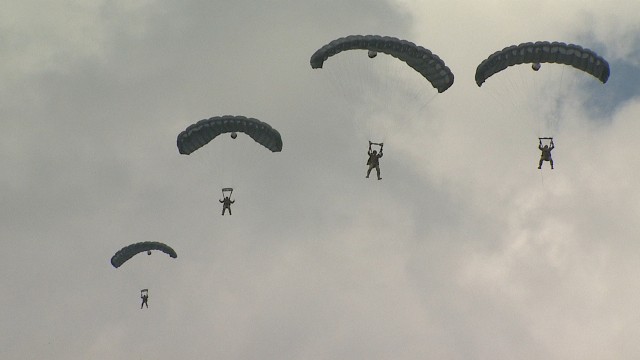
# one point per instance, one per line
(201, 133)
(128, 252)
(428, 64)
(544, 52)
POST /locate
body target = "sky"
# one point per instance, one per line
(464, 250)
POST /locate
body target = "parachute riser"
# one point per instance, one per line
(380, 145)
(226, 191)
(546, 138)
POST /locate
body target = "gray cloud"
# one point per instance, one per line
(463, 250)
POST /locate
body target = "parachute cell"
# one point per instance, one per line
(130, 251)
(428, 64)
(544, 52)
(201, 133)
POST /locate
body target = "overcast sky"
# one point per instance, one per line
(465, 250)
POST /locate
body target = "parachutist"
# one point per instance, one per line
(226, 204)
(546, 153)
(374, 160)
(144, 295)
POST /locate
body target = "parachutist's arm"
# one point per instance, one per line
(233, 201)
(221, 201)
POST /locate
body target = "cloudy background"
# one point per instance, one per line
(465, 250)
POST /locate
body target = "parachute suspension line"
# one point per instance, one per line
(532, 96)
(351, 76)
(385, 68)
(229, 163)
(400, 99)
(507, 91)
(555, 119)
(429, 100)
(385, 71)
(537, 86)
(342, 78)
(226, 171)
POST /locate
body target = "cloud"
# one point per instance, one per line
(464, 249)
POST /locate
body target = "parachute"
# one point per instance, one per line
(201, 133)
(426, 63)
(544, 52)
(128, 252)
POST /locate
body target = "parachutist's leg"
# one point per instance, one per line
(369, 171)
(551, 162)
(378, 172)
(540, 164)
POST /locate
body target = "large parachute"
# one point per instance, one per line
(420, 59)
(544, 52)
(128, 252)
(201, 133)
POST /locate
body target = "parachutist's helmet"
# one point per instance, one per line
(234, 135)
(371, 54)
(149, 252)
(536, 66)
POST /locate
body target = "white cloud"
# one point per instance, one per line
(463, 250)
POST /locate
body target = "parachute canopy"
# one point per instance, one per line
(128, 252)
(544, 52)
(201, 133)
(429, 65)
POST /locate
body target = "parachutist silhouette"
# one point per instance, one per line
(226, 204)
(546, 153)
(374, 160)
(144, 295)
